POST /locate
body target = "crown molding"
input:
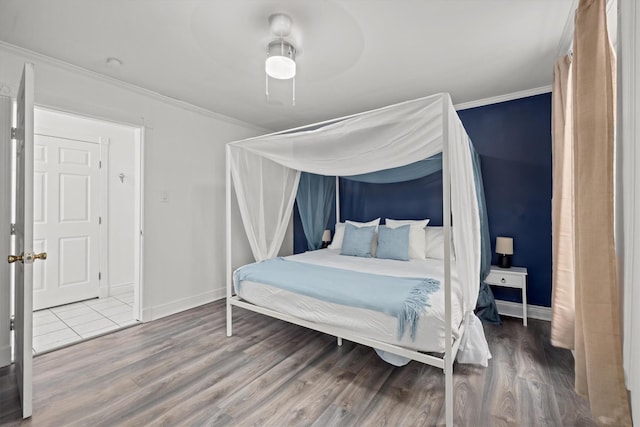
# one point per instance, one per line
(503, 98)
(35, 56)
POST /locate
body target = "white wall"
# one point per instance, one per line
(121, 210)
(118, 219)
(183, 258)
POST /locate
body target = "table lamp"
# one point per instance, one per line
(504, 249)
(326, 238)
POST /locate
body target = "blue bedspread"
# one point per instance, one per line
(401, 297)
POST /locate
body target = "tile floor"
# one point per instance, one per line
(59, 326)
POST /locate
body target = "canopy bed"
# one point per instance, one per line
(353, 301)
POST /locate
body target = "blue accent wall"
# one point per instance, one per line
(514, 142)
(513, 139)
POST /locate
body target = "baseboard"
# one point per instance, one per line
(506, 308)
(514, 309)
(103, 292)
(109, 291)
(120, 289)
(160, 311)
(5, 355)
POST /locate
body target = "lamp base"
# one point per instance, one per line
(325, 245)
(504, 261)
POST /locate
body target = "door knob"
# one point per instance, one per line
(14, 258)
(27, 258)
(41, 255)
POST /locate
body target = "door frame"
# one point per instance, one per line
(104, 215)
(138, 198)
(139, 140)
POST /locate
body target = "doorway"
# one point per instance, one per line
(87, 191)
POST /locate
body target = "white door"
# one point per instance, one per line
(6, 109)
(23, 263)
(66, 221)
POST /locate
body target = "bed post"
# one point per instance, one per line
(337, 221)
(446, 223)
(229, 273)
(337, 201)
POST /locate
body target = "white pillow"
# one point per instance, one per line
(417, 241)
(338, 234)
(435, 243)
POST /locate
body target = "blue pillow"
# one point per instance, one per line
(393, 243)
(357, 240)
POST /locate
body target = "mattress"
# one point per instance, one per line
(364, 322)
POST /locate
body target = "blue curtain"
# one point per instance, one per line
(316, 200)
(403, 173)
(486, 307)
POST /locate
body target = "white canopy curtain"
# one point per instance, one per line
(266, 171)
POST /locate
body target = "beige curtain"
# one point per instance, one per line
(596, 335)
(563, 301)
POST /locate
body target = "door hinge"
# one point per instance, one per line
(14, 133)
(12, 229)
(100, 164)
(12, 323)
(99, 220)
(99, 276)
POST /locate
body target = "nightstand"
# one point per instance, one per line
(514, 277)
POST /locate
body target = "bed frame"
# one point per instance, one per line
(445, 362)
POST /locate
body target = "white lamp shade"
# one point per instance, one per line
(326, 236)
(504, 245)
(280, 67)
(281, 60)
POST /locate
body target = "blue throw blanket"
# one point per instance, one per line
(401, 297)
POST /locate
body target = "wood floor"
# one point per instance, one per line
(183, 370)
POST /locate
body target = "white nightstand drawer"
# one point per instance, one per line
(509, 277)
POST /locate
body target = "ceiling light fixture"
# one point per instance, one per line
(281, 54)
(281, 60)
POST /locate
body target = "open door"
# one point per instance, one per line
(5, 230)
(24, 257)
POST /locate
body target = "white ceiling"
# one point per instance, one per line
(354, 55)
